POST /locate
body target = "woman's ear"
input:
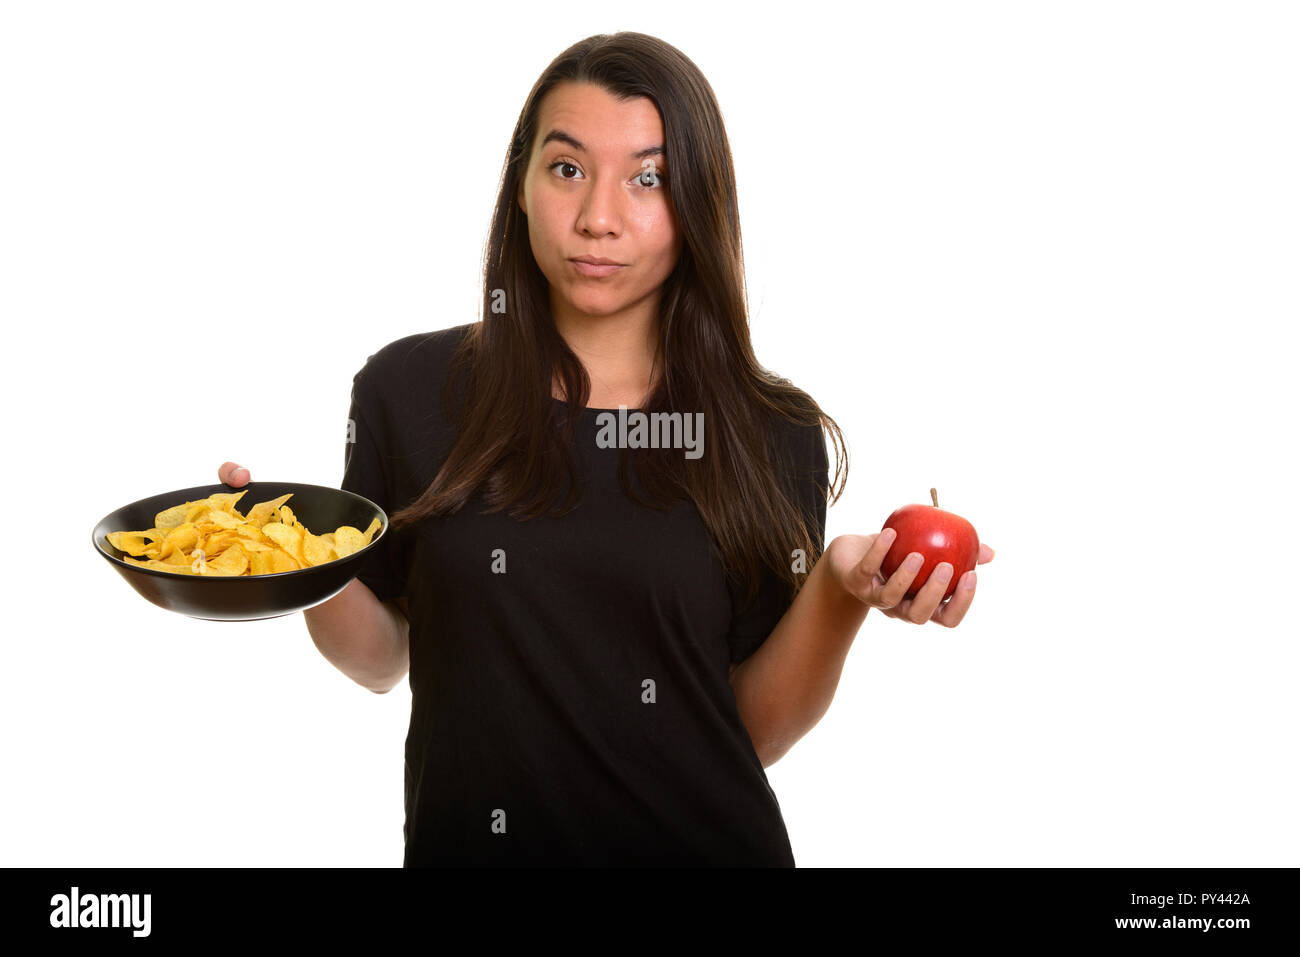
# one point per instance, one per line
(519, 198)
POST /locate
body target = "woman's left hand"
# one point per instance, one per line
(854, 563)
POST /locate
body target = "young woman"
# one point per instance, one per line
(604, 570)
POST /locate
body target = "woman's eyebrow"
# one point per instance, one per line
(559, 136)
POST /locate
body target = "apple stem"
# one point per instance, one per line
(934, 497)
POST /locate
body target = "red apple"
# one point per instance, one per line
(938, 535)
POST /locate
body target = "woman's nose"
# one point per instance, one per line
(602, 210)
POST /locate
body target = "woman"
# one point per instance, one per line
(610, 629)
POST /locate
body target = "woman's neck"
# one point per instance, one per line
(619, 356)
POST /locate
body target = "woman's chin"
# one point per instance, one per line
(596, 307)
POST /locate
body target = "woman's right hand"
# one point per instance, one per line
(236, 476)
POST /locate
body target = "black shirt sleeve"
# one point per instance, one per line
(808, 469)
(385, 570)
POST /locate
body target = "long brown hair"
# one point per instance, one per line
(507, 420)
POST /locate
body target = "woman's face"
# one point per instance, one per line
(583, 196)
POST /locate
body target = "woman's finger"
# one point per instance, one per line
(896, 587)
(926, 601)
(875, 555)
(233, 475)
(951, 614)
(986, 554)
(859, 578)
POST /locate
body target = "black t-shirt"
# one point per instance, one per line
(575, 709)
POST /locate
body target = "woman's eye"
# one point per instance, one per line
(564, 164)
(650, 179)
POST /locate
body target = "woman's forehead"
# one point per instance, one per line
(587, 118)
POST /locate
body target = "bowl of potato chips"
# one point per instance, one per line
(196, 552)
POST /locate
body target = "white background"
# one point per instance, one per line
(1042, 256)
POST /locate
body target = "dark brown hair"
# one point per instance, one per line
(507, 420)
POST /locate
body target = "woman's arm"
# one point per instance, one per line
(366, 639)
(783, 689)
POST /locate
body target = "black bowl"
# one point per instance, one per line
(246, 597)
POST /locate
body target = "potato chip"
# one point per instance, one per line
(283, 562)
(157, 565)
(288, 537)
(264, 512)
(347, 540)
(171, 517)
(233, 561)
(133, 543)
(315, 550)
(225, 501)
(251, 546)
(217, 542)
(178, 558)
(259, 563)
(184, 537)
(210, 537)
(224, 519)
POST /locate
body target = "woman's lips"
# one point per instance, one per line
(594, 271)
